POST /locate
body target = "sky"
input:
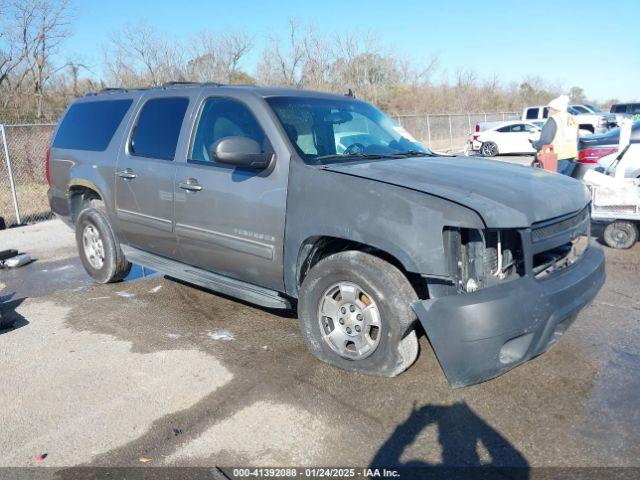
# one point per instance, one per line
(592, 44)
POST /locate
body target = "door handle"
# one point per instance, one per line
(191, 185)
(127, 174)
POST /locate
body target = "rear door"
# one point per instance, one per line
(230, 219)
(145, 175)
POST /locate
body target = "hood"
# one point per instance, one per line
(504, 195)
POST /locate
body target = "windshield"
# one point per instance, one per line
(327, 130)
(595, 109)
(581, 109)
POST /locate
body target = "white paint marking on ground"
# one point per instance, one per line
(250, 432)
(75, 394)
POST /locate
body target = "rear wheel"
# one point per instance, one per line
(621, 234)
(489, 149)
(100, 253)
(355, 313)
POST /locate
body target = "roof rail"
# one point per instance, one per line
(179, 83)
(164, 86)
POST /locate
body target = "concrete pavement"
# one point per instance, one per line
(155, 372)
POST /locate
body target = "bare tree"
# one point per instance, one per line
(218, 56)
(283, 64)
(140, 55)
(319, 57)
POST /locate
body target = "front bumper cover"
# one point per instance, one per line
(478, 336)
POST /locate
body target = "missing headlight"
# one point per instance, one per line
(482, 258)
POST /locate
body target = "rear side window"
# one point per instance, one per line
(619, 109)
(91, 125)
(158, 128)
(532, 113)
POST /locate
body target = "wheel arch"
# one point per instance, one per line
(80, 193)
(315, 248)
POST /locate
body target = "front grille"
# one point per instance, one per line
(547, 230)
(561, 256)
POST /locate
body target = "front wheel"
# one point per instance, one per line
(355, 313)
(489, 149)
(621, 234)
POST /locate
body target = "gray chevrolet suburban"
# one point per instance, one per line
(297, 199)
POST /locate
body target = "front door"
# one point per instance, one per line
(145, 176)
(230, 220)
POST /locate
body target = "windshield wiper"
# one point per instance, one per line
(413, 153)
(351, 155)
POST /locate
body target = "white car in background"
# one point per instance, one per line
(495, 138)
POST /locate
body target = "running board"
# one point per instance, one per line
(212, 281)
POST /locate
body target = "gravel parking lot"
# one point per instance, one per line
(155, 372)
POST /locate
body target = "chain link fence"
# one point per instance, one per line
(448, 132)
(23, 183)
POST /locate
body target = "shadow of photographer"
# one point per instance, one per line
(10, 319)
(460, 430)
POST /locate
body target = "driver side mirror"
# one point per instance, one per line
(241, 152)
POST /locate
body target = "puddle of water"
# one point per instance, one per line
(138, 271)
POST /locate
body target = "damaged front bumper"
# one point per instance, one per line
(478, 336)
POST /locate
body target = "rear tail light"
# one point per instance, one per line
(592, 155)
(477, 127)
(47, 166)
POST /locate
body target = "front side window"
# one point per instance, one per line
(158, 128)
(517, 128)
(219, 118)
(532, 113)
(326, 130)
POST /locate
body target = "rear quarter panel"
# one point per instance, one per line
(91, 169)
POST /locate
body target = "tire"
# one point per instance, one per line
(388, 292)
(489, 149)
(621, 234)
(92, 231)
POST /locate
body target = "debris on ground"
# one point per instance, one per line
(155, 289)
(144, 459)
(224, 335)
(41, 457)
(173, 335)
(13, 259)
(126, 294)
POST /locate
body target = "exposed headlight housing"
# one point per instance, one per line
(482, 258)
